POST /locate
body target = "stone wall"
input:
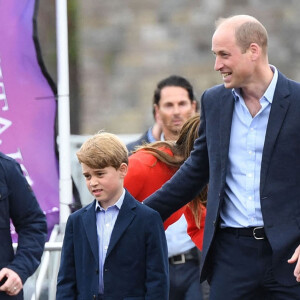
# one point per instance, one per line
(124, 47)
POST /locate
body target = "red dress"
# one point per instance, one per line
(146, 174)
(193, 231)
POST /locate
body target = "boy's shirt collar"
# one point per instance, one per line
(118, 204)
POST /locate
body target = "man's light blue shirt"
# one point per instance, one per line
(106, 220)
(150, 136)
(241, 207)
(177, 238)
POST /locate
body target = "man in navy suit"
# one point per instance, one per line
(18, 203)
(248, 151)
(115, 248)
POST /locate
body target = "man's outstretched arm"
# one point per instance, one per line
(186, 183)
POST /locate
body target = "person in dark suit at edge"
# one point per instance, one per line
(248, 151)
(18, 204)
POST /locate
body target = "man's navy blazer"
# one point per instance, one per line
(136, 264)
(144, 139)
(19, 204)
(279, 178)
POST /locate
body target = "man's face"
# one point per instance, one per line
(235, 67)
(173, 110)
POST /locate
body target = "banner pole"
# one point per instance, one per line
(65, 182)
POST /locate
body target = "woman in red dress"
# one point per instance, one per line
(150, 166)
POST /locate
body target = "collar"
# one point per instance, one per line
(150, 135)
(269, 93)
(118, 204)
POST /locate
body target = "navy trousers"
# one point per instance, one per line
(242, 270)
(185, 281)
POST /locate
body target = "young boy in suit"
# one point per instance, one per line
(115, 247)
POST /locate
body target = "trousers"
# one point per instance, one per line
(242, 270)
(185, 280)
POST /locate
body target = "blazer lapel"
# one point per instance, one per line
(226, 110)
(125, 217)
(278, 112)
(89, 223)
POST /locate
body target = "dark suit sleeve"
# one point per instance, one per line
(28, 219)
(66, 280)
(142, 140)
(187, 182)
(157, 268)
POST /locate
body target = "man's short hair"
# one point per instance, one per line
(247, 32)
(173, 80)
(103, 150)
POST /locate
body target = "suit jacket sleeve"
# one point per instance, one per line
(157, 269)
(66, 280)
(28, 219)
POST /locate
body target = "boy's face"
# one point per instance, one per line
(106, 184)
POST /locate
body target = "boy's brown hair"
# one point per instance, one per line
(103, 150)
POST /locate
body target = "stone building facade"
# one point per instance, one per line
(124, 47)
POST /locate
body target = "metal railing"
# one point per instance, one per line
(47, 271)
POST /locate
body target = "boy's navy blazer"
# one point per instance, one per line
(279, 178)
(136, 265)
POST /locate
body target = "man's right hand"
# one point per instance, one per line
(296, 259)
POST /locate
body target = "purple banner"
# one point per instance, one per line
(27, 105)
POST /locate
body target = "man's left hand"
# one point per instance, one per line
(296, 259)
(13, 284)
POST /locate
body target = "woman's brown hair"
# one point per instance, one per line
(181, 150)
